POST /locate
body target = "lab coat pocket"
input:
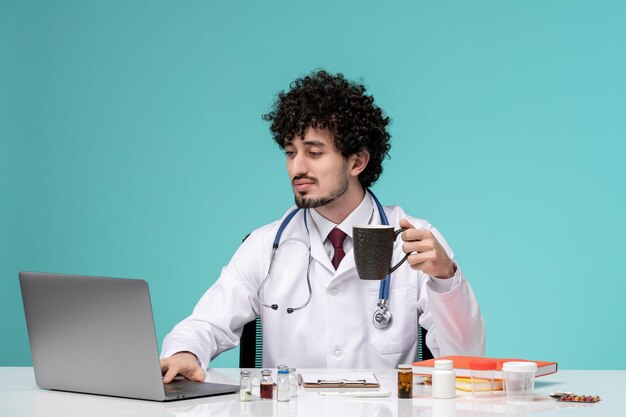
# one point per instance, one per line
(402, 333)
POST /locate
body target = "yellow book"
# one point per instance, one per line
(465, 384)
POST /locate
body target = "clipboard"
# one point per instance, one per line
(343, 380)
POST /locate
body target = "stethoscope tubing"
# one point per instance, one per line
(383, 292)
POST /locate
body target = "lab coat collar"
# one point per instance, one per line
(307, 231)
(317, 246)
(360, 215)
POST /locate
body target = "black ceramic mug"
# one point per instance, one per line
(373, 250)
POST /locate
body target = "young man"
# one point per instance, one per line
(335, 140)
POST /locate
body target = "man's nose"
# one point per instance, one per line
(299, 165)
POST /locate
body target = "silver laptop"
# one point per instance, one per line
(96, 335)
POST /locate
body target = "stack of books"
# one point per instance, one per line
(463, 373)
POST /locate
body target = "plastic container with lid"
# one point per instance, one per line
(519, 381)
(482, 377)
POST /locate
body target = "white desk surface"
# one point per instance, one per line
(19, 396)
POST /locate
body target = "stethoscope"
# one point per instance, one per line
(382, 316)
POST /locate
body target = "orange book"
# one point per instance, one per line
(461, 366)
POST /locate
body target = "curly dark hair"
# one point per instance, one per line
(327, 101)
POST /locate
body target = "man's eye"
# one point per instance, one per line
(315, 154)
(290, 154)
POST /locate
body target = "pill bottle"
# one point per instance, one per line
(245, 387)
(267, 385)
(283, 384)
(405, 381)
(443, 380)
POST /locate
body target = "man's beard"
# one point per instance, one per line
(338, 191)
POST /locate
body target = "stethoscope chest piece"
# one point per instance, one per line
(382, 316)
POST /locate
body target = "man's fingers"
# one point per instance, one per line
(197, 375)
(170, 374)
(411, 235)
(405, 224)
(182, 363)
(416, 260)
(417, 246)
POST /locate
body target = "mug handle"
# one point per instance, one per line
(396, 266)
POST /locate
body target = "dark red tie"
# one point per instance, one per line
(336, 238)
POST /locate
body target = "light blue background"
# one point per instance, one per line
(132, 146)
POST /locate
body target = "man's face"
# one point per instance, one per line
(319, 173)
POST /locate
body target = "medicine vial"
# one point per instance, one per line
(405, 382)
(293, 383)
(267, 385)
(283, 385)
(245, 387)
(444, 381)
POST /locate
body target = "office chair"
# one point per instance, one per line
(251, 345)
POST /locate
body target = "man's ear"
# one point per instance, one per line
(358, 162)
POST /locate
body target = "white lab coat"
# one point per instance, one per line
(335, 330)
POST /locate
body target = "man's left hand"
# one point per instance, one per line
(426, 254)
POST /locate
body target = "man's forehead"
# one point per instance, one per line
(307, 141)
(313, 137)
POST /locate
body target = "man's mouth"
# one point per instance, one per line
(303, 184)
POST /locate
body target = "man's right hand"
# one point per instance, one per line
(182, 363)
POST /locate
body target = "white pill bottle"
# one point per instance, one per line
(444, 380)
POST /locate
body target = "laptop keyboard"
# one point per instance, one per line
(180, 386)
